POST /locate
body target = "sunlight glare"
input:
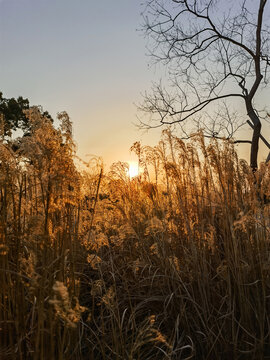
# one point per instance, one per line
(133, 170)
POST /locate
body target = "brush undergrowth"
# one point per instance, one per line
(98, 266)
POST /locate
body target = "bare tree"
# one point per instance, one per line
(215, 51)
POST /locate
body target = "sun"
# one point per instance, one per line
(133, 170)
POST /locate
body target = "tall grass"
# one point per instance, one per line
(173, 264)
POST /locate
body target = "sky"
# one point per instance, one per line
(86, 57)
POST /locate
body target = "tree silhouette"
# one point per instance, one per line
(14, 116)
(215, 52)
(12, 111)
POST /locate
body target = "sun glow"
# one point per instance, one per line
(133, 170)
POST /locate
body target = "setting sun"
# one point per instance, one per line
(133, 170)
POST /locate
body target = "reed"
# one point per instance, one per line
(173, 264)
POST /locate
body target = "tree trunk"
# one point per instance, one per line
(256, 135)
(263, 139)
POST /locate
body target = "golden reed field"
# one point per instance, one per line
(172, 264)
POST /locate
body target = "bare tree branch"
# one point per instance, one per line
(211, 55)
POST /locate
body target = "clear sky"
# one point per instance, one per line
(82, 56)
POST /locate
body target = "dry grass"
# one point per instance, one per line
(96, 266)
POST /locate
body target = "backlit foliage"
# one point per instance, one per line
(172, 264)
